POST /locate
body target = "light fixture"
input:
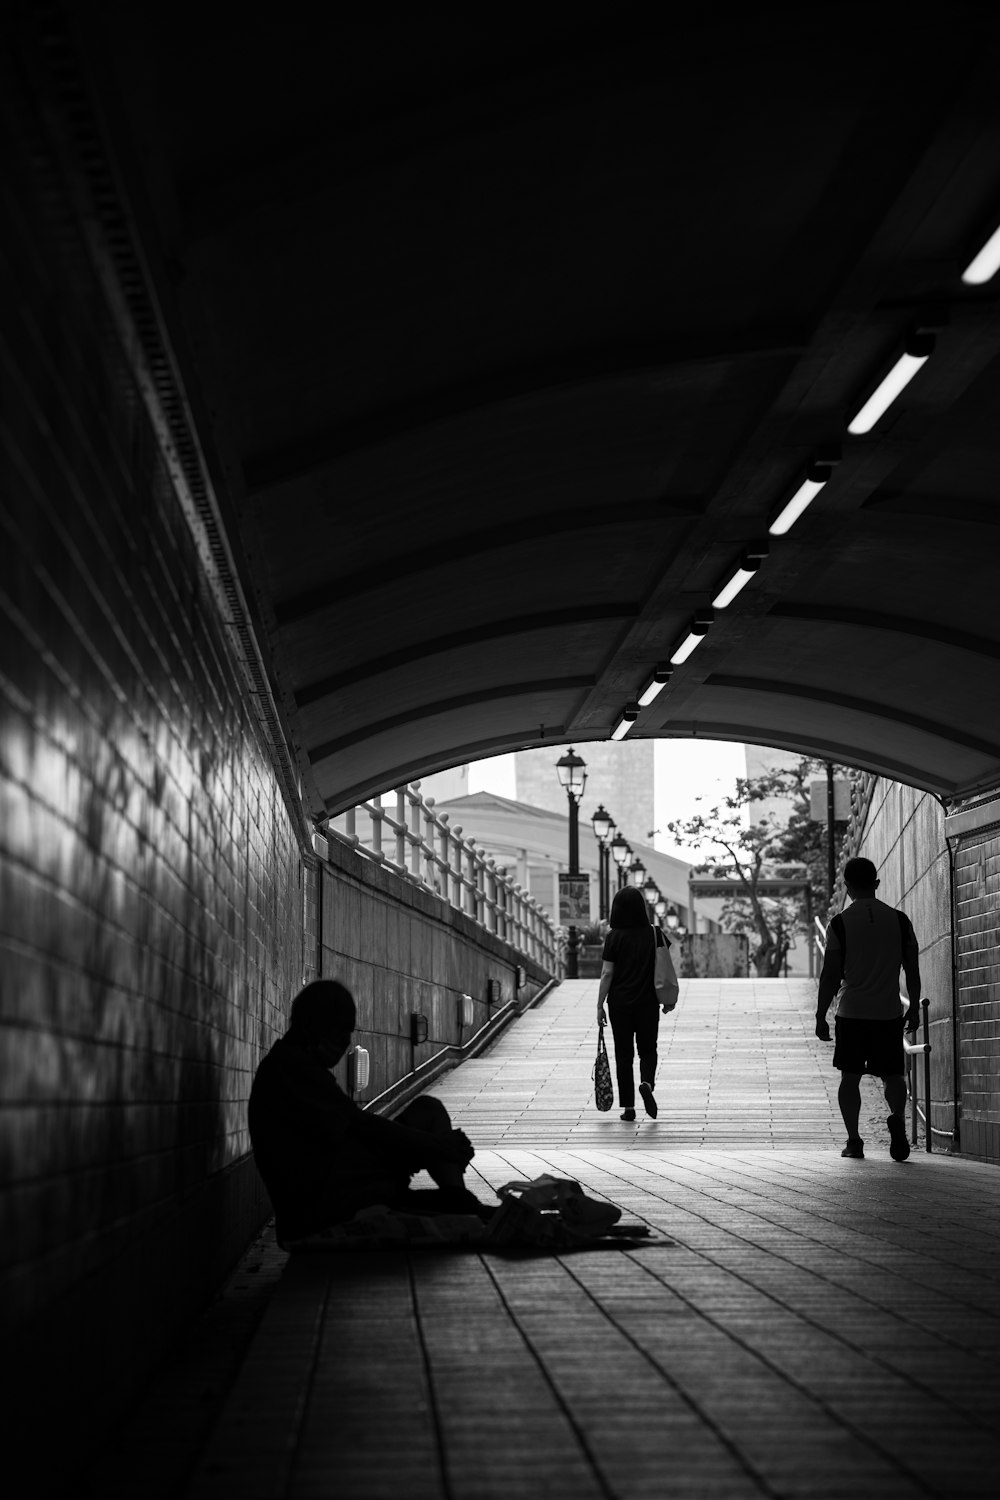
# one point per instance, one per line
(918, 350)
(572, 772)
(602, 823)
(817, 474)
(985, 263)
(696, 632)
(737, 580)
(620, 851)
(637, 873)
(650, 890)
(661, 906)
(672, 918)
(625, 722)
(655, 685)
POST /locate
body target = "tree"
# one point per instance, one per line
(754, 848)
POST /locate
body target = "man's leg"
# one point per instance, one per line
(894, 1085)
(849, 1099)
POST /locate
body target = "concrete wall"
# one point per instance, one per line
(400, 948)
(904, 836)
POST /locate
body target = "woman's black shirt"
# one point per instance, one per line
(632, 950)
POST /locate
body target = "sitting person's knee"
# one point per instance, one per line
(426, 1113)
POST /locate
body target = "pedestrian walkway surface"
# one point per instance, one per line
(804, 1325)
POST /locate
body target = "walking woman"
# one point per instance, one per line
(627, 986)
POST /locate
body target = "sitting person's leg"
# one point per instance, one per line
(451, 1195)
(429, 1115)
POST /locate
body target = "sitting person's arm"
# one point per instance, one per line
(411, 1148)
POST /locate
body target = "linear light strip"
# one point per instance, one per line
(886, 391)
(985, 264)
(691, 640)
(800, 501)
(623, 726)
(732, 587)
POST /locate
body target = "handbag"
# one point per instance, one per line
(664, 979)
(604, 1094)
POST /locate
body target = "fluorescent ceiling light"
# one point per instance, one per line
(737, 580)
(628, 718)
(687, 645)
(696, 633)
(986, 263)
(654, 686)
(917, 354)
(800, 501)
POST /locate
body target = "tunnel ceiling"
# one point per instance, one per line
(506, 334)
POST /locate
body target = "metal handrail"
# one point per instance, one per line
(910, 1048)
(427, 850)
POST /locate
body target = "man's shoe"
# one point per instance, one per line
(855, 1148)
(899, 1146)
(646, 1090)
(628, 1114)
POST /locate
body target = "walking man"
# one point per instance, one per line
(866, 946)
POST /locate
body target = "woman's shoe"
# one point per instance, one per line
(628, 1114)
(646, 1090)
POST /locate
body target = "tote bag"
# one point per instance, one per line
(604, 1094)
(664, 979)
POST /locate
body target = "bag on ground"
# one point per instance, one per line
(604, 1094)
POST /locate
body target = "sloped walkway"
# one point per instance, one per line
(807, 1326)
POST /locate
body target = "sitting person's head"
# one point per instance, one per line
(322, 1018)
(629, 908)
(861, 878)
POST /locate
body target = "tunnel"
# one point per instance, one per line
(385, 391)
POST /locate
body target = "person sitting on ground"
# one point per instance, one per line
(865, 948)
(323, 1158)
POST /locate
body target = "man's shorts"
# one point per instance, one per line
(869, 1046)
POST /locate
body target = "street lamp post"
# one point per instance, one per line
(603, 824)
(621, 854)
(572, 772)
(637, 874)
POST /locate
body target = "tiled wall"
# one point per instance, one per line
(151, 894)
(977, 900)
(904, 837)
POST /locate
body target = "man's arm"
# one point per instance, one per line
(829, 984)
(911, 970)
(607, 974)
(411, 1148)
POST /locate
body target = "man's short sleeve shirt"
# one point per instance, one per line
(876, 951)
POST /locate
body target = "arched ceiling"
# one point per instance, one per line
(506, 333)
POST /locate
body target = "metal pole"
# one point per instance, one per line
(574, 869)
(925, 1006)
(830, 871)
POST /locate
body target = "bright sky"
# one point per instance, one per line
(683, 771)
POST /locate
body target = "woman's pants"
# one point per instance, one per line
(634, 1028)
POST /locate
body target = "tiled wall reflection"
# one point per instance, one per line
(150, 884)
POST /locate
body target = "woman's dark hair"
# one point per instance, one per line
(629, 908)
(322, 1009)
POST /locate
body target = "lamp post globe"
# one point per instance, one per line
(572, 772)
(637, 874)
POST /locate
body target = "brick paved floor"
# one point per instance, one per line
(807, 1326)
